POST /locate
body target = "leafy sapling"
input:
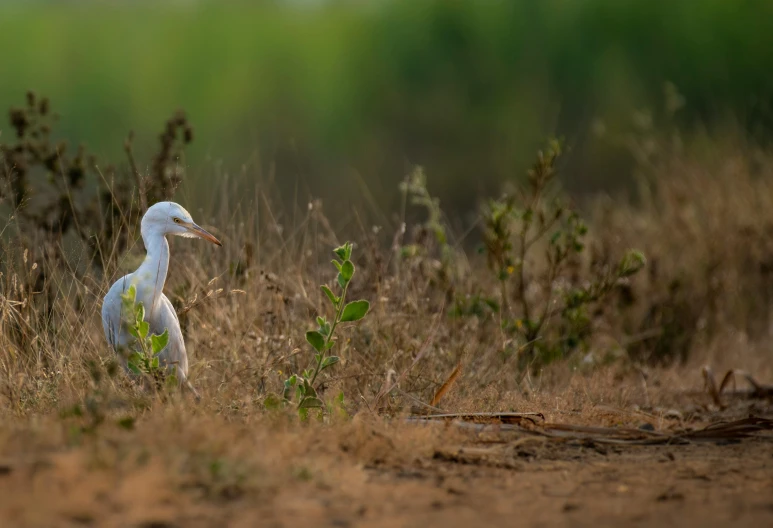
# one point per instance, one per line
(522, 223)
(322, 339)
(145, 361)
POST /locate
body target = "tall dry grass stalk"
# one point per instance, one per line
(703, 221)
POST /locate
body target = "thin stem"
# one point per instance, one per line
(552, 274)
(322, 354)
(138, 177)
(522, 272)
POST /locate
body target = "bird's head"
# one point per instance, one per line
(169, 218)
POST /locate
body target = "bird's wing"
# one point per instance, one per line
(165, 317)
(112, 306)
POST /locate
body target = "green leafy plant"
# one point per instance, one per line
(516, 226)
(303, 386)
(145, 361)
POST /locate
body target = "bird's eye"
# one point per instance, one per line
(177, 220)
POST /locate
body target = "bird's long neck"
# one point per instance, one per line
(151, 275)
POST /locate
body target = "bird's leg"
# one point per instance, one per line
(196, 394)
(185, 382)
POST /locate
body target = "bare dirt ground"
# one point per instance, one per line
(183, 468)
(548, 485)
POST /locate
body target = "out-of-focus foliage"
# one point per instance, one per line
(466, 88)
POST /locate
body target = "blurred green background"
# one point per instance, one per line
(330, 98)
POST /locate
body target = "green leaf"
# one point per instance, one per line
(492, 304)
(140, 312)
(129, 296)
(310, 403)
(272, 402)
(286, 390)
(126, 423)
(341, 281)
(347, 270)
(408, 251)
(336, 264)
(333, 299)
(329, 361)
(143, 328)
(154, 363)
(355, 310)
(340, 252)
(159, 342)
(321, 321)
(316, 340)
(134, 363)
(631, 263)
(308, 390)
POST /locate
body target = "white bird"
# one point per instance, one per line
(161, 219)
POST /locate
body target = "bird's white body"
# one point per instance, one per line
(163, 218)
(149, 282)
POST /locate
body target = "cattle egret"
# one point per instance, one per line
(161, 219)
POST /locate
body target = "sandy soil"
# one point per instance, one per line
(364, 477)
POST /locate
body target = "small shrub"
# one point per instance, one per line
(322, 340)
(429, 247)
(517, 226)
(145, 361)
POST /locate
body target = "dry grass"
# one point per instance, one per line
(705, 225)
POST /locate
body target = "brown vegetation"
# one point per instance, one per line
(83, 445)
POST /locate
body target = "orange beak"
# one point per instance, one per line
(202, 233)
